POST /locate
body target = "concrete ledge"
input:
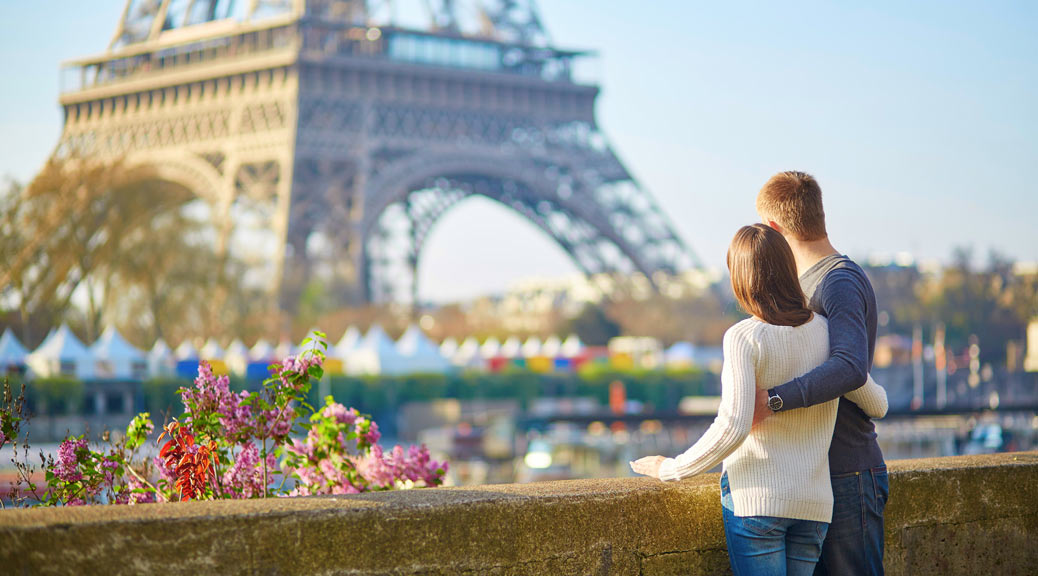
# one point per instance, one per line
(961, 515)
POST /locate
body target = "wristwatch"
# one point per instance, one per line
(774, 401)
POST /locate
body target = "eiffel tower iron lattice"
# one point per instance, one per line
(347, 137)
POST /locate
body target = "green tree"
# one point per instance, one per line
(593, 326)
(128, 242)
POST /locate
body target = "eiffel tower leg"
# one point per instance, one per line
(222, 210)
(357, 249)
(412, 257)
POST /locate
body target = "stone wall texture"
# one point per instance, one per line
(960, 515)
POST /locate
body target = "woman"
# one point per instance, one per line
(775, 489)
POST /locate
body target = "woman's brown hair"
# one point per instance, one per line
(764, 276)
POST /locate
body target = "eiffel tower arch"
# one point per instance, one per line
(348, 137)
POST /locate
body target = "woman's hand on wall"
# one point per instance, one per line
(648, 466)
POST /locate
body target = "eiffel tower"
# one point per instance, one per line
(344, 136)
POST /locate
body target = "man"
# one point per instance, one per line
(837, 288)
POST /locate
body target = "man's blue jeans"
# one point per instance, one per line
(766, 545)
(854, 545)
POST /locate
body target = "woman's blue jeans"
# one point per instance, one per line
(766, 545)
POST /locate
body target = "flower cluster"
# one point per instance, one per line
(341, 455)
(298, 365)
(414, 465)
(79, 475)
(71, 451)
(136, 492)
(245, 478)
(211, 405)
(227, 445)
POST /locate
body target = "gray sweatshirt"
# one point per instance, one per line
(838, 289)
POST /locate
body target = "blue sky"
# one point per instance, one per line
(919, 119)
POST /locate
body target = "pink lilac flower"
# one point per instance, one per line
(340, 413)
(210, 391)
(345, 488)
(236, 417)
(310, 480)
(372, 435)
(376, 470)
(128, 495)
(109, 467)
(164, 472)
(298, 365)
(213, 394)
(67, 467)
(383, 470)
(245, 478)
(280, 424)
(304, 449)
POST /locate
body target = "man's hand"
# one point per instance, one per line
(761, 411)
(648, 466)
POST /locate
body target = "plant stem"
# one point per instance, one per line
(264, 457)
(149, 484)
(216, 472)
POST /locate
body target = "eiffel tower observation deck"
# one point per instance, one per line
(343, 137)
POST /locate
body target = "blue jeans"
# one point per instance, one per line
(766, 545)
(854, 545)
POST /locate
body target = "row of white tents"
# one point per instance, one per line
(355, 353)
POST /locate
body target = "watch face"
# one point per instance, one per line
(775, 403)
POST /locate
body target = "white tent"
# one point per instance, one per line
(211, 350)
(469, 354)
(552, 347)
(161, 361)
(236, 356)
(349, 341)
(262, 351)
(114, 357)
(680, 355)
(448, 348)
(12, 353)
(186, 351)
(375, 354)
(572, 347)
(490, 349)
(62, 354)
(285, 349)
(419, 353)
(511, 348)
(531, 348)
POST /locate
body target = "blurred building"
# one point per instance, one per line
(1031, 360)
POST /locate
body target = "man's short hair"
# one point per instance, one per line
(794, 200)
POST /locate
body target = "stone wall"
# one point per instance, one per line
(961, 515)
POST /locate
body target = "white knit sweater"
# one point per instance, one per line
(781, 467)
